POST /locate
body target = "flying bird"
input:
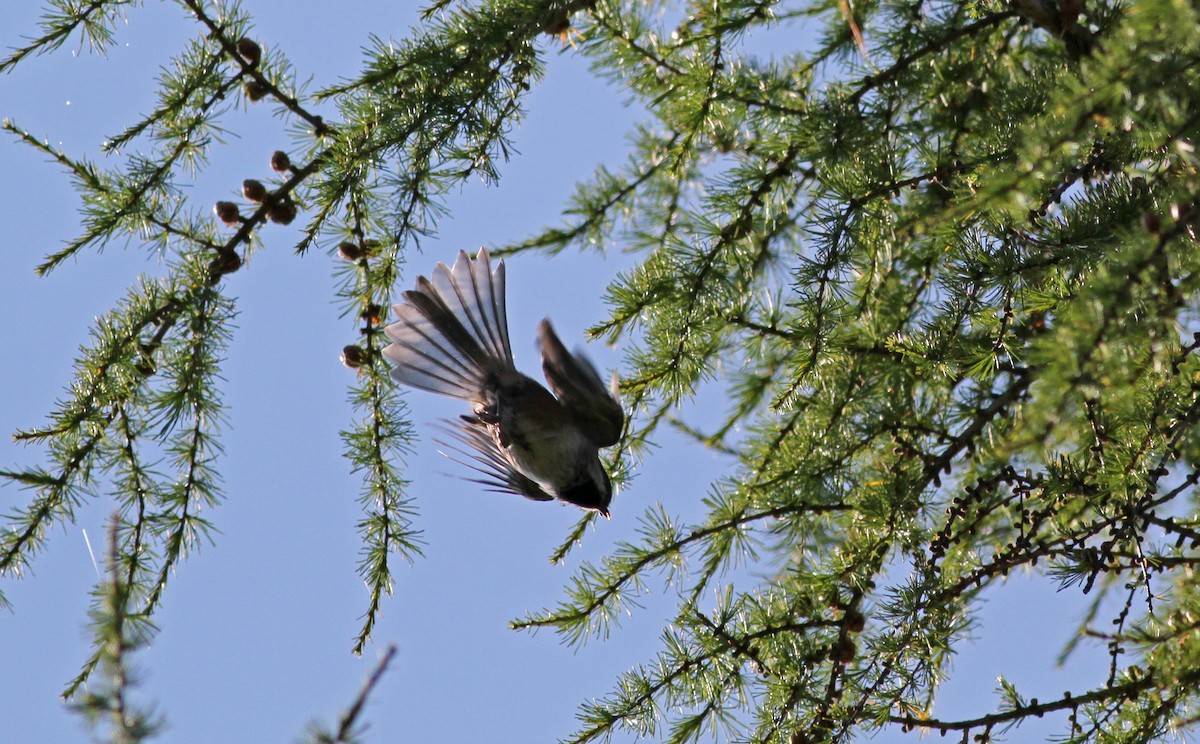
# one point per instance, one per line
(451, 337)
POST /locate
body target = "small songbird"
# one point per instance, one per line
(451, 337)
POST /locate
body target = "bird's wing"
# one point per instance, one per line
(578, 387)
(471, 439)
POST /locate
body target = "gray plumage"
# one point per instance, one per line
(451, 337)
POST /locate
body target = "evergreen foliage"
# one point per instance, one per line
(943, 265)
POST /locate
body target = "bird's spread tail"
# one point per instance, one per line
(451, 332)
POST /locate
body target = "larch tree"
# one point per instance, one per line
(940, 262)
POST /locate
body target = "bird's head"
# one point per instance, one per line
(592, 491)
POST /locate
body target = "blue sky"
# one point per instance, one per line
(256, 628)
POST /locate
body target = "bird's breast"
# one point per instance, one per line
(537, 435)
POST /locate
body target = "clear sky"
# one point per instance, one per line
(256, 629)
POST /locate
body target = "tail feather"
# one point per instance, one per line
(451, 333)
(424, 358)
(479, 292)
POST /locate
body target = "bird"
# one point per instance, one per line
(450, 336)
